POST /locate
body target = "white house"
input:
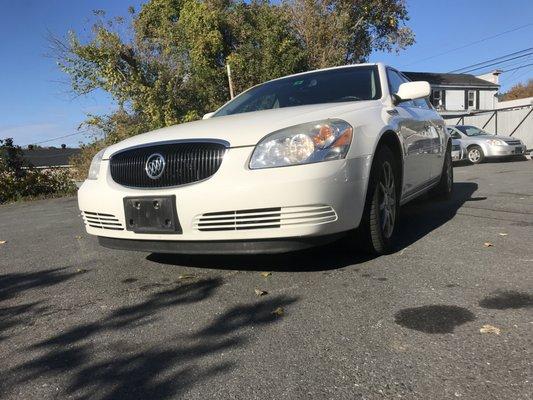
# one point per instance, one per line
(460, 93)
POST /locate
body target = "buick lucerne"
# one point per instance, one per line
(291, 163)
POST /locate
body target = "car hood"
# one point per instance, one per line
(488, 137)
(245, 129)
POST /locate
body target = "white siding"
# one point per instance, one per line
(455, 100)
(487, 101)
(515, 103)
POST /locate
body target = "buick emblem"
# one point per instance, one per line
(155, 166)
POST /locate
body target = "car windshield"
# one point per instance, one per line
(332, 86)
(472, 131)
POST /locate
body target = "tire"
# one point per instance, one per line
(475, 154)
(445, 186)
(377, 230)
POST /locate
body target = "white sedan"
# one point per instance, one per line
(291, 163)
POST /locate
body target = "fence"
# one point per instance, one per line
(511, 121)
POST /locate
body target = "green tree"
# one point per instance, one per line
(264, 46)
(11, 157)
(166, 64)
(338, 32)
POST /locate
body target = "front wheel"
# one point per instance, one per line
(380, 217)
(475, 154)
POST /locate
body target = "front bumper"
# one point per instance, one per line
(249, 246)
(505, 150)
(315, 200)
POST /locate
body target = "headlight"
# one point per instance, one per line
(497, 142)
(303, 144)
(95, 165)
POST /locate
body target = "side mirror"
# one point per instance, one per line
(208, 115)
(411, 91)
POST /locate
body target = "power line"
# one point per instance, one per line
(508, 78)
(492, 59)
(518, 77)
(497, 63)
(513, 69)
(470, 44)
(506, 65)
(59, 137)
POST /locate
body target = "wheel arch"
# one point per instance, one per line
(390, 139)
(479, 145)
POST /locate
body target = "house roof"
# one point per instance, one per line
(462, 80)
(51, 157)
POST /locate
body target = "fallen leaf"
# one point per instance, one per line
(259, 292)
(265, 274)
(489, 329)
(81, 270)
(186, 276)
(502, 234)
(3, 241)
(488, 244)
(279, 312)
(77, 237)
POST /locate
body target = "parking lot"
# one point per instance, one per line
(81, 321)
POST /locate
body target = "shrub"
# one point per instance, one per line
(19, 180)
(82, 161)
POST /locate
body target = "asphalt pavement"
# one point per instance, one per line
(448, 315)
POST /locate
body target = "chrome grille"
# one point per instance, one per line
(513, 142)
(185, 162)
(264, 218)
(102, 221)
(456, 147)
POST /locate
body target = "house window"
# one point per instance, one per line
(472, 99)
(437, 99)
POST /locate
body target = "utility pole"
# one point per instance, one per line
(230, 82)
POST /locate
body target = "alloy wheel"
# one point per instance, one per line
(387, 200)
(474, 155)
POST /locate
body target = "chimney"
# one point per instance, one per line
(492, 77)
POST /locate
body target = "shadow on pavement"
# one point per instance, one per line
(503, 300)
(424, 215)
(13, 285)
(434, 318)
(95, 360)
(321, 258)
(417, 220)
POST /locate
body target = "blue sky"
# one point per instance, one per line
(35, 103)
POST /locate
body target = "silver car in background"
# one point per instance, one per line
(480, 144)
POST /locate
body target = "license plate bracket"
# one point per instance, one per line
(152, 214)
